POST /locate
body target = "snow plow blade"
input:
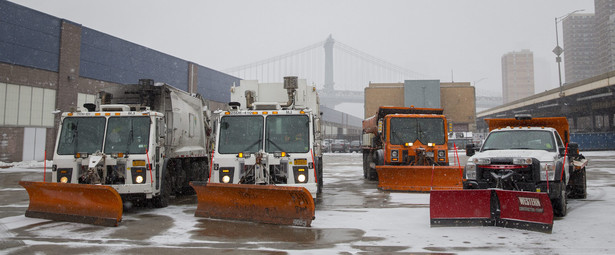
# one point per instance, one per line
(419, 178)
(503, 208)
(82, 203)
(258, 203)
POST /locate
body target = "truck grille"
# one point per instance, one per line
(522, 177)
(279, 173)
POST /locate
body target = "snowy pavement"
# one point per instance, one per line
(352, 217)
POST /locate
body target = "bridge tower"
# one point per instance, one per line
(328, 45)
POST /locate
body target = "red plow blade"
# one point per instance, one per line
(503, 208)
(82, 203)
(258, 203)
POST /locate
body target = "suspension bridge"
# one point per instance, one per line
(339, 71)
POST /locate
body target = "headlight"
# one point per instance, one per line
(470, 171)
(226, 174)
(409, 144)
(431, 144)
(139, 179)
(226, 179)
(547, 168)
(522, 161)
(301, 178)
(394, 155)
(481, 161)
(63, 179)
(441, 154)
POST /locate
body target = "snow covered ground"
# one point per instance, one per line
(352, 217)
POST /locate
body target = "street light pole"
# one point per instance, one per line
(558, 50)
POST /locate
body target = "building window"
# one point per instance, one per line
(584, 123)
(26, 106)
(599, 121)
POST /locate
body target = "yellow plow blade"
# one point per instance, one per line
(419, 178)
(258, 203)
(83, 203)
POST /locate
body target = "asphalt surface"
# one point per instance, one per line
(352, 217)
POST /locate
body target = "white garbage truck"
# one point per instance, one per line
(136, 143)
(271, 135)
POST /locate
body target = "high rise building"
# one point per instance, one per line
(589, 42)
(517, 75)
(605, 35)
(580, 47)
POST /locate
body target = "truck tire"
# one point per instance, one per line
(365, 164)
(319, 174)
(162, 200)
(372, 174)
(578, 184)
(560, 204)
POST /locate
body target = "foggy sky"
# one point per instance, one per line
(432, 37)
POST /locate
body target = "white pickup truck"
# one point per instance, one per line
(528, 154)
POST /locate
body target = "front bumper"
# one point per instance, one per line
(553, 186)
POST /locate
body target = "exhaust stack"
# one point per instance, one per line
(290, 84)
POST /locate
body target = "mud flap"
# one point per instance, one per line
(258, 203)
(419, 178)
(82, 203)
(503, 208)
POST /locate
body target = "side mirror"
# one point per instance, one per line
(573, 149)
(470, 149)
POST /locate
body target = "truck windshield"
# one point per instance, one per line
(240, 134)
(408, 130)
(520, 139)
(84, 135)
(287, 133)
(127, 135)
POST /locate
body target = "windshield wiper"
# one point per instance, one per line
(394, 133)
(250, 146)
(75, 138)
(274, 144)
(129, 142)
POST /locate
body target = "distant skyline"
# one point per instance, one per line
(439, 38)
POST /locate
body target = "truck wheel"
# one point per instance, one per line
(162, 200)
(375, 158)
(372, 174)
(319, 174)
(579, 185)
(365, 164)
(560, 204)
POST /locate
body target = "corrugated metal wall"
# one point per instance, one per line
(32, 39)
(594, 141)
(215, 85)
(107, 58)
(28, 37)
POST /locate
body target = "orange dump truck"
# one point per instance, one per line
(405, 149)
